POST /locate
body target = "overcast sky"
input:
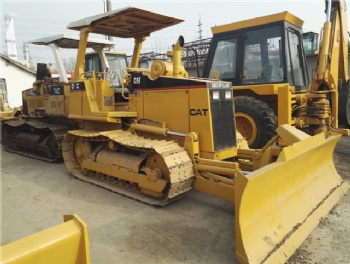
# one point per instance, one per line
(36, 19)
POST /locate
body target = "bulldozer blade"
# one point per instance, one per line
(65, 243)
(279, 205)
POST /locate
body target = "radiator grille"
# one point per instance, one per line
(223, 123)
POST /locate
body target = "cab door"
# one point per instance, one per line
(223, 59)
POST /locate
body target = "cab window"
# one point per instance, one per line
(224, 62)
(262, 61)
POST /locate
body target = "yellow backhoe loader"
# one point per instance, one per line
(170, 133)
(264, 59)
(44, 116)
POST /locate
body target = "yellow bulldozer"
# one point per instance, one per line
(44, 115)
(264, 59)
(164, 133)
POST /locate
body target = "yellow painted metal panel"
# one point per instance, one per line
(285, 95)
(279, 205)
(169, 106)
(55, 105)
(200, 118)
(259, 21)
(75, 101)
(34, 101)
(215, 188)
(65, 243)
(136, 103)
(8, 114)
(263, 89)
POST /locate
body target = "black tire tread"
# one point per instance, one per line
(263, 115)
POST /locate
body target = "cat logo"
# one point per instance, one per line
(198, 112)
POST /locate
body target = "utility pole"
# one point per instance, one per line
(200, 28)
(108, 7)
(27, 58)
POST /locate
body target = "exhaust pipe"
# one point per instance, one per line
(175, 68)
(177, 57)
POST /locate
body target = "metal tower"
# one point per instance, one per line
(10, 38)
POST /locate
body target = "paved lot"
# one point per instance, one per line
(195, 229)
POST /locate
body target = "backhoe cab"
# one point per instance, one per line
(264, 59)
(265, 50)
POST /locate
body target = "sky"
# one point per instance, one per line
(36, 19)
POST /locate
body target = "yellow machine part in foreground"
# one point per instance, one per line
(65, 243)
(9, 115)
(280, 204)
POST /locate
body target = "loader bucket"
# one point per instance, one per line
(279, 205)
(65, 243)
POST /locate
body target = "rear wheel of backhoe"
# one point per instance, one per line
(344, 105)
(255, 120)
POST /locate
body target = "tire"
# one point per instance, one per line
(255, 120)
(344, 106)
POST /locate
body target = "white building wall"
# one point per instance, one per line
(17, 80)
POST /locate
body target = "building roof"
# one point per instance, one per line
(17, 64)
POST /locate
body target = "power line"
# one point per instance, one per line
(21, 20)
(40, 20)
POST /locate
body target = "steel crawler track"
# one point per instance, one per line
(178, 163)
(48, 148)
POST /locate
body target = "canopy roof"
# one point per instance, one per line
(67, 41)
(129, 22)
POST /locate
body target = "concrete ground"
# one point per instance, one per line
(195, 229)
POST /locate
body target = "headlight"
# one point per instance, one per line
(216, 95)
(228, 95)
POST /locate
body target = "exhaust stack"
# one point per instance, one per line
(177, 57)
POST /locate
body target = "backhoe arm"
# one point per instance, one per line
(333, 53)
(331, 72)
